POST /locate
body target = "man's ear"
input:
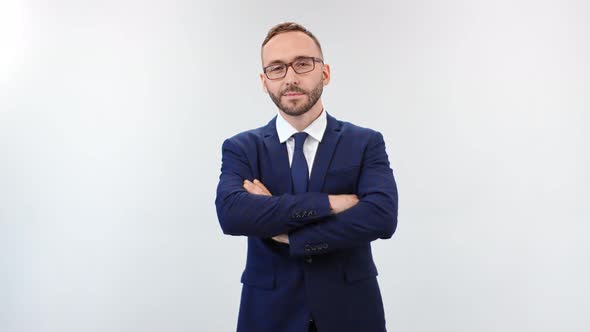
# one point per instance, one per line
(326, 74)
(263, 81)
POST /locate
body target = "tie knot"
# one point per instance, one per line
(299, 140)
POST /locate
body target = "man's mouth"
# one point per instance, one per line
(292, 94)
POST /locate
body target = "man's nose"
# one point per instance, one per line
(291, 76)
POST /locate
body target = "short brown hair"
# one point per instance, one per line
(288, 27)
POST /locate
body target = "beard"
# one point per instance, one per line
(290, 107)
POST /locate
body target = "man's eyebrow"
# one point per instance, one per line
(276, 62)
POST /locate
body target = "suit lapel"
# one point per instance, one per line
(324, 154)
(278, 159)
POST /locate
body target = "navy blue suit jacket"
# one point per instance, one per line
(327, 271)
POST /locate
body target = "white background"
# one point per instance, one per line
(112, 115)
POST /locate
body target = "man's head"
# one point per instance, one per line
(293, 70)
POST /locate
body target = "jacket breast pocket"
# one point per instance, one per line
(342, 180)
(258, 277)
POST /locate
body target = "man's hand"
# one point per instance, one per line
(283, 238)
(258, 188)
(340, 203)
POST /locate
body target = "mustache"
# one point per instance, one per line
(294, 89)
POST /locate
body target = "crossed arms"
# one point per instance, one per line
(328, 222)
(338, 203)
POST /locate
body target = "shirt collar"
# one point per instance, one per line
(315, 129)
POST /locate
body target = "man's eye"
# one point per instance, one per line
(274, 69)
(302, 64)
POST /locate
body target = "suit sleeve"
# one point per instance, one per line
(242, 213)
(375, 215)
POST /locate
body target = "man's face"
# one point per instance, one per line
(295, 94)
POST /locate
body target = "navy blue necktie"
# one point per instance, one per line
(299, 170)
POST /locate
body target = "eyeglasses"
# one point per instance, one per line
(300, 66)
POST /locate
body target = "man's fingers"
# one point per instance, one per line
(247, 185)
(250, 187)
(340, 203)
(255, 188)
(283, 238)
(262, 186)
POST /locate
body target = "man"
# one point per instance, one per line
(310, 192)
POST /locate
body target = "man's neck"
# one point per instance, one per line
(302, 121)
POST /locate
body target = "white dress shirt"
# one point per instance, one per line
(315, 132)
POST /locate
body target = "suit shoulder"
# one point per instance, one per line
(248, 135)
(351, 129)
(246, 138)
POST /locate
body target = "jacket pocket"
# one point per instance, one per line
(256, 277)
(359, 274)
(360, 265)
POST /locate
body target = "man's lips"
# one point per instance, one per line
(292, 94)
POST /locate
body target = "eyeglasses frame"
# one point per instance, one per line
(290, 64)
